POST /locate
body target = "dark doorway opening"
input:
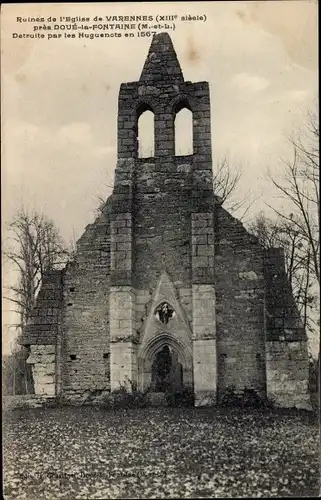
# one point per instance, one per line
(167, 372)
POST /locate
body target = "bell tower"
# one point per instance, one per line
(162, 219)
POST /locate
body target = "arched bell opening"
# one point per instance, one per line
(183, 128)
(145, 129)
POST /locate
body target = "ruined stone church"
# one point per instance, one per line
(167, 289)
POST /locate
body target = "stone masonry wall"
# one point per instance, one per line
(287, 372)
(287, 360)
(45, 319)
(158, 191)
(42, 334)
(236, 322)
(85, 343)
(43, 362)
(204, 311)
(162, 226)
(239, 286)
(122, 337)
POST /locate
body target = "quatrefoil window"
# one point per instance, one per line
(164, 313)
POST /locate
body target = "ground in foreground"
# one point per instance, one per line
(159, 453)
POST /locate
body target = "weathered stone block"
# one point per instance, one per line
(123, 366)
(249, 275)
(205, 398)
(200, 262)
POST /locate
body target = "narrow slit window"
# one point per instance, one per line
(184, 132)
(106, 357)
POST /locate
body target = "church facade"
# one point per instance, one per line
(167, 289)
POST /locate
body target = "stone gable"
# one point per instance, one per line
(165, 269)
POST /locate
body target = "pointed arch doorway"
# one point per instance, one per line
(164, 360)
(167, 371)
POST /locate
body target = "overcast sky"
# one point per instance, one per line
(59, 97)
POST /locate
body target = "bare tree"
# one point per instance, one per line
(298, 186)
(280, 233)
(103, 194)
(226, 181)
(16, 374)
(296, 227)
(33, 247)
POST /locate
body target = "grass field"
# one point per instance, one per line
(159, 453)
